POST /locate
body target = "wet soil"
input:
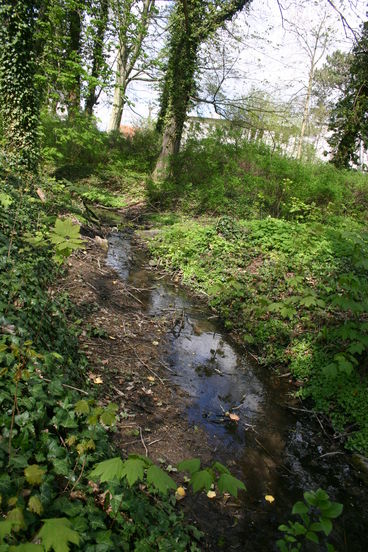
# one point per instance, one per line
(162, 356)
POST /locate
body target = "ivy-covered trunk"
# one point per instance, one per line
(192, 22)
(175, 99)
(19, 104)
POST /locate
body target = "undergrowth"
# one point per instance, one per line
(53, 428)
(223, 174)
(296, 292)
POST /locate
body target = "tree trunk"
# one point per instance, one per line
(170, 146)
(121, 82)
(19, 105)
(305, 112)
(97, 55)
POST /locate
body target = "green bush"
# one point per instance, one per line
(221, 174)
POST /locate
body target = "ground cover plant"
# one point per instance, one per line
(284, 263)
(52, 432)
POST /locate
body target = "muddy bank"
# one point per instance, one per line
(176, 375)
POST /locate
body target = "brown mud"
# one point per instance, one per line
(158, 353)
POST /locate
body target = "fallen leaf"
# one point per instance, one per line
(234, 417)
(180, 493)
(105, 361)
(98, 380)
(112, 337)
(269, 498)
(151, 378)
(155, 343)
(211, 494)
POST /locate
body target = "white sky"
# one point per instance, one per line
(270, 57)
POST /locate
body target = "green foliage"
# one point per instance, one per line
(315, 513)
(227, 175)
(57, 533)
(19, 100)
(295, 292)
(207, 478)
(51, 437)
(348, 121)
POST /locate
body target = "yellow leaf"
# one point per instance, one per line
(211, 494)
(269, 498)
(34, 474)
(234, 417)
(98, 380)
(151, 378)
(34, 505)
(180, 493)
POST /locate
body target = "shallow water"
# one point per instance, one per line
(273, 450)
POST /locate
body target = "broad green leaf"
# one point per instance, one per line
(160, 479)
(220, 468)
(109, 470)
(310, 498)
(5, 529)
(201, 480)
(5, 200)
(82, 407)
(191, 465)
(108, 418)
(326, 525)
(228, 483)
(310, 535)
(56, 534)
(34, 474)
(300, 508)
(133, 470)
(333, 511)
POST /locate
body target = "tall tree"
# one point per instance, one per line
(19, 101)
(132, 18)
(349, 118)
(191, 23)
(314, 42)
(100, 10)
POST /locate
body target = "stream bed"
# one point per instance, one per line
(275, 450)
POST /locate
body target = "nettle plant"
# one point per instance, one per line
(316, 514)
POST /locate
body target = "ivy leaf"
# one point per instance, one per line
(133, 470)
(108, 470)
(228, 483)
(34, 474)
(56, 534)
(35, 505)
(160, 479)
(16, 518)
(191, 465)
(202, 480)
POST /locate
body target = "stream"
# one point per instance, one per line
(273, 449)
